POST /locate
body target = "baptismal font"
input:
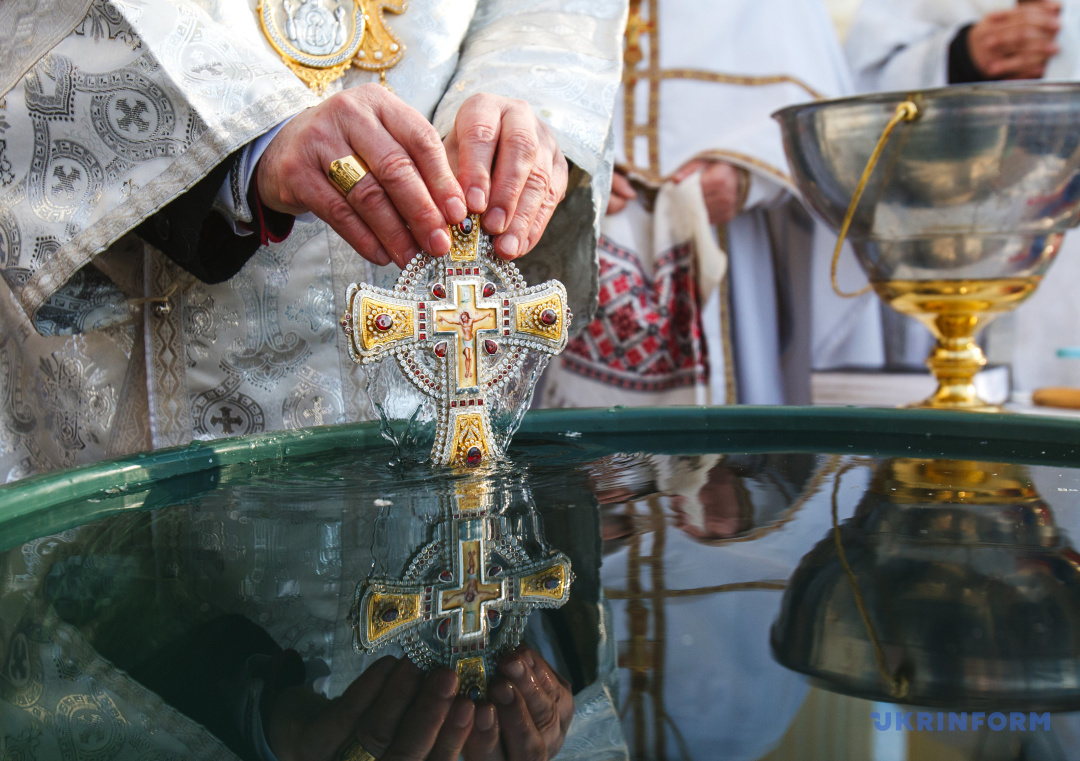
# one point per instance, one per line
(956, 201)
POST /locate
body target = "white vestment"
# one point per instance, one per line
(706, 84)
(905, 45)
(126, 107)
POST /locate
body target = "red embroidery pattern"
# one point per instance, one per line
(646, 335)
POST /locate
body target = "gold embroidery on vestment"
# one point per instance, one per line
(320, 43)
(639, 28)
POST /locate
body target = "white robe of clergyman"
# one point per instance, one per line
(904, 45)
(709, 78)
(109, 110)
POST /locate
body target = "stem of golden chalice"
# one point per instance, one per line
(955, 311)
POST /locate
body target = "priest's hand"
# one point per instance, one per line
(721, 186)
(529, 714)
(404, 203)
(622, 192)
(511, 168)
(1016, 43)
(392, 710)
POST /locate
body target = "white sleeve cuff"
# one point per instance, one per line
(231, 198)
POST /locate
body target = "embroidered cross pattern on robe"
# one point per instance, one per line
(460, 327)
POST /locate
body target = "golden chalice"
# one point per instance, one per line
(956, 201)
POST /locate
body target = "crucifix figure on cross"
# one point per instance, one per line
(466, 596)
(459, 327)
(465, 324)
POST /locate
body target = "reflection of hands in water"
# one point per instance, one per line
(530, 712)
(396, 712)
(715, 512)
(393, 710)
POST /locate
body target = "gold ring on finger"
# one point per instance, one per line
(346, 172)
(353, 750)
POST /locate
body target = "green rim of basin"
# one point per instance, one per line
(45, 504)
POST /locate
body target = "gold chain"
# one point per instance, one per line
(898, 683)
(907, 111)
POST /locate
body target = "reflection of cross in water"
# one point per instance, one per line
(66, 181)
(133, 115)
(317, 411)
(470, 595)
(458, 319)
(226, 420)
(461, 613)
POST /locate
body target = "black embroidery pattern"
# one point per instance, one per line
(225, 411)
(103, 20)
(6, 175)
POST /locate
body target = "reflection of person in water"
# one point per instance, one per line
(682, 582)
(392, 710)
(217, 631)
(712, 497)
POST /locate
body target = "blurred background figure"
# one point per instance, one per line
(713, 281)
(914, 44)
(896, 44)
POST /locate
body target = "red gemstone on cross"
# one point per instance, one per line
(490, 346)
(438, 291)
(548, 317)
(465, 225)
(473, 456)
(489, 290)
(384, 321)
(440, 349)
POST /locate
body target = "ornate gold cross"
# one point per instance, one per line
(466, 596)
(459, 327)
